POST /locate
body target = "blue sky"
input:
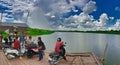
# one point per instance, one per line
(63, 14)
(107, 6)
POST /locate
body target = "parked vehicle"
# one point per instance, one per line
(11, 53)
(54, 58)
(31, 50)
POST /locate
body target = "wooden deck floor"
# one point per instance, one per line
(81, 60)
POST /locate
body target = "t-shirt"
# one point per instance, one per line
(16, 44)
(41, 44)
(22, 38)
(58, 45)
(30, 41)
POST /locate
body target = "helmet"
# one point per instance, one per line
(59, 39)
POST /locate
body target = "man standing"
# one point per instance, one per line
(41, 48)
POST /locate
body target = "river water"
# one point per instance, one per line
(88, 42)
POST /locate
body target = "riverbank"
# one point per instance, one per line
(29, 31)
(100, 32)
(35, 31)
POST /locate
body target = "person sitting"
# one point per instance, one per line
(30, 41)
(59, 47)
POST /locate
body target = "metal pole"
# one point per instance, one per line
(28, 15)
(104, 54)
(1, 20)
(1, 16)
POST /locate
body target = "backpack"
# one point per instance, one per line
(43, 48)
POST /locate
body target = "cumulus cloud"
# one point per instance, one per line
(60, 7)
(79, 3)
(45, 14)
(117, 23)
(54, 9)
(87, 22)
(102, 20)
(116, 26)
(18, 8)
(77, 21)
(89, 7)
(83, 20)
(38, 20)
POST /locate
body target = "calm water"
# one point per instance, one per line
(88, 42)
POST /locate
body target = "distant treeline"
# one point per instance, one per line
(98, 31)
(105, 32)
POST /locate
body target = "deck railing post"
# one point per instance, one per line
(104, 53)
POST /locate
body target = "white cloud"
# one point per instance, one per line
(38, 20)
(18, 21)
(60, 7)
(103, 19)
(117, 8)
(53, 8)
(117, 23)
(83, 17)
(25, 14)
(83, 20)
(102, 22)
(75, 10)
(87, 22)
(111, 18)
(24, 5)
(116, 26)
(52, 16)
(48, 14)
(89, 7)
(4, 17)
(43, 10)
(18, 7)
(79, 3)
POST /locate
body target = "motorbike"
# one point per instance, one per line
(54, 57)
(11, 53)
(31, 50)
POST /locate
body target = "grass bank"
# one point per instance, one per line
(35, 31)
(5, 35)
(31, 31)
